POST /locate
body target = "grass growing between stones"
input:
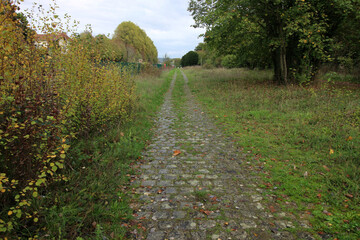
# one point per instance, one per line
(201, 196)
(95, 201)
(305, 142)
(179, 97)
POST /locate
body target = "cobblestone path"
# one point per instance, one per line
(205, 192)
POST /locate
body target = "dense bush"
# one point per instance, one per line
(190, 59)
(48, 95)
(229, 61)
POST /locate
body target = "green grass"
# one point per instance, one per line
(179, 97)
(301, 136)
(94, 203)
(201, 196)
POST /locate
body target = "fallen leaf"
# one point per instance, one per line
(349, 138)
(207, 212)
(176, 152)
(319, 195)
(268, 185)
(326, 168)
(121, 134)
(349, 195)
(272, 209)
(327, 213)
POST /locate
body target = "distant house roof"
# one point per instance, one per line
(48, 36)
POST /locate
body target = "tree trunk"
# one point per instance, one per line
(280, 59)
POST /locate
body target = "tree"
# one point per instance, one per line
(167, 60)
(177, 62)
(295, 34)
(9, 10)
(190, 59)
(137, 43)
(200, 47)
(110, 50)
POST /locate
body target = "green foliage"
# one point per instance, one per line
(307, 151)
(336, 78)
(229, 61)
(295, 37)
(177, 62)
(138, 44)
(110, 49)
(190, 59)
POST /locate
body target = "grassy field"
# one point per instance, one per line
(95, 202)
(305, 142)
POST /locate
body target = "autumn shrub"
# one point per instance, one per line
(48, 95)
(32, 137)
(149, 69)
(229, 61)
(96, 94)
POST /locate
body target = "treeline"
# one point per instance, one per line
(295, 38)
(128, 44)
(52, 93)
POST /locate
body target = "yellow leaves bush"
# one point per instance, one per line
(47, 96)
(96, 94)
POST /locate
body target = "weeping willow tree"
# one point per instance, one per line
(137, 43)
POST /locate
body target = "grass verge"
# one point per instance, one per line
(307, 142)
(94, 202)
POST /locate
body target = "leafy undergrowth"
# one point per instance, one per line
(95, 202)
(307, 141)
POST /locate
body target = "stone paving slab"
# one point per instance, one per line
(205, 192)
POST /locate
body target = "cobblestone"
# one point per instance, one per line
(205, 192)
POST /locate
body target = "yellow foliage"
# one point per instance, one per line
(47, 96)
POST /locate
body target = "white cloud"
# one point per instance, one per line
(166, 22)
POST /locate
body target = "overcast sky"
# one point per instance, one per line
(166, 22)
